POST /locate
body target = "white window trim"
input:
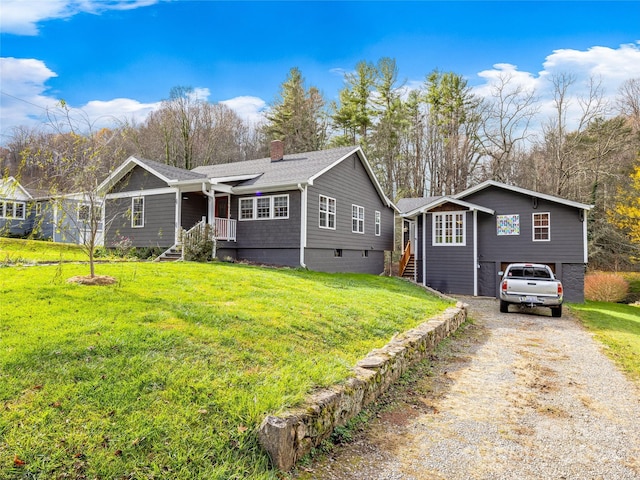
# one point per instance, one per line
(434, 241)
(254, 207)
(133, 216)
(80, 206)
(327, 213)
(533, 227)
(378, 224)
(14, 204)
(38, 208)
(357, 219)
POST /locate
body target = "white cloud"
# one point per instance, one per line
(608, 67)
(248, 108)
(21, 17)
(25, 100)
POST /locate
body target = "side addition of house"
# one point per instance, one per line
(459, 243)
(322, 210)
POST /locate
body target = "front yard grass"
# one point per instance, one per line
(617, 326)
(168, 373)
(13, 250)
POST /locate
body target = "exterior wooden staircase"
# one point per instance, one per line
(408, 263)
(410, 268)
(173, 254)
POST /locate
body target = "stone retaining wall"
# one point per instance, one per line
(293, 434)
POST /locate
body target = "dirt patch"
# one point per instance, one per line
(95, 280)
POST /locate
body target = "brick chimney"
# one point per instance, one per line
(277, 150)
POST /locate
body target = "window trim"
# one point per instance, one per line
(356, 219)
(137, 221)
(454, 236)
(4, 204)
(254, 207)
(327, 213)
(546, 227)
(82, 206)
(38, 209)
(378, 223)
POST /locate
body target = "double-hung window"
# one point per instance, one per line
(83, 212)
(12, 210)
(137, 212)
(264, 207)
(541, 227)
(377, 223)
(449, 229)
(327, 212)
(357, 219)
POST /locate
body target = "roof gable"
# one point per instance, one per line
(523, 191)
(10, 188)
(166, 173)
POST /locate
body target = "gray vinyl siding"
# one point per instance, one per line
(450, 268)
(194, 207)
(159, 221)
(138, 179)
(349, 184)
(13, 227)
(564, 251)
(269, 233)
(324, 260)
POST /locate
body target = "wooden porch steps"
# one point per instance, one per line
(171, 255)
(410, 269)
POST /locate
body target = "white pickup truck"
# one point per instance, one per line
(530, 285)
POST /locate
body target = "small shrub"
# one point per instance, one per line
(605, 287)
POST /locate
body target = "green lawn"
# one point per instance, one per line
(14, 250)
(617, 326)
(167, 373)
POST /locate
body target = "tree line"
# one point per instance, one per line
(435, 139)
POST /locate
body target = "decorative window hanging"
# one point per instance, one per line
(508, 225)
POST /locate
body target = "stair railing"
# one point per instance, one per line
(405, 258)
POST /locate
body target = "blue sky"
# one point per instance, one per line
(114, 58)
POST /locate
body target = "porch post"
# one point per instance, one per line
(475, 253)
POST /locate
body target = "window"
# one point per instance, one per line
(365, 253)
(541, 227)
(83, 213)
(264, 208)
(12, 210)
(357, 219)
(137, 212)
(246, 208)
(377, 223)
(327, 212)
(39, 208)
(449, 229)
(337, 252)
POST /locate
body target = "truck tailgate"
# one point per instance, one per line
(532, 287)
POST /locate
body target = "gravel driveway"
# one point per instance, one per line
(515, 396)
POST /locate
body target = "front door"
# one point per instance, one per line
(222, 207)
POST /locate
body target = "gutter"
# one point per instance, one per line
(303, 222)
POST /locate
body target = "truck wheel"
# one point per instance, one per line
(504, 306)
(556, 311)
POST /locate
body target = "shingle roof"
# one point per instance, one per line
(170, 172)
(292, 169)
(406, 205)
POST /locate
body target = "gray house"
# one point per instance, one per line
(323, 210)
(458, 244)
(15, 217)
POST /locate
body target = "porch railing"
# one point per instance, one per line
(405, 258)
(225, 229)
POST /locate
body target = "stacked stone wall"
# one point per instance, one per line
(290, 436)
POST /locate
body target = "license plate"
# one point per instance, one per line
(529, 299)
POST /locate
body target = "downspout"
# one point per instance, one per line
(584, 237)
(424, 248)
(178, 215)
(475, 253)
(303, 222)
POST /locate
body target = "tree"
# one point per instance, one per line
(626, 213)
(353, 116)
(454, 150)
(72, 159)
(507, 117)
(297, 117)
